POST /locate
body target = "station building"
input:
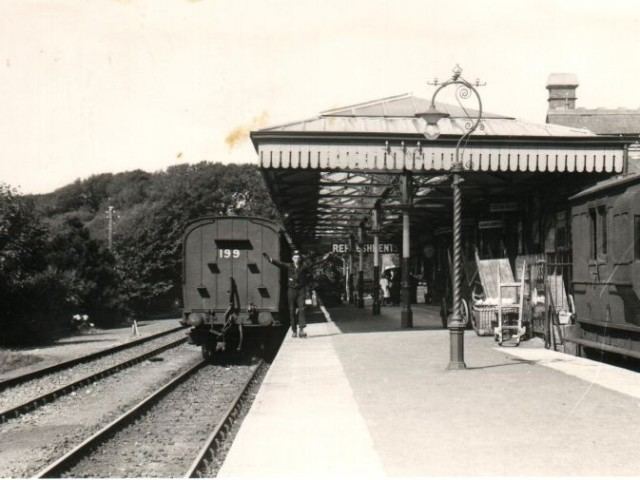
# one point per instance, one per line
(563, 109)
(365, 173)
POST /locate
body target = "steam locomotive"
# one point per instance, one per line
(231, 293)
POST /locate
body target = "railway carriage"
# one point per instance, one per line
(606, 266)
(231, 293)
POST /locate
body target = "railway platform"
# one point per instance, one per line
(362, 397)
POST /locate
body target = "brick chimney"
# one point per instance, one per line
(562, 91)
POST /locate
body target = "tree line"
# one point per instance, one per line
(54, 260)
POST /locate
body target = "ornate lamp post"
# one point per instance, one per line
(432, 116)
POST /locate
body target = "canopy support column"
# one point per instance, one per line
(376, 260)
(361, 266)
(406, 315)
(350, 277)
(345, 275)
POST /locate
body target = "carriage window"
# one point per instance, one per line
(636, 236)
(561, 237)
(602, 214)
(593, 233)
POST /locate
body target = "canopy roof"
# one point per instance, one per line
(398, 115)
(328, 172)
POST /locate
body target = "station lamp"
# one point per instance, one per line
(464, 89)
(432, 116)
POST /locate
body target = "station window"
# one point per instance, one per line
(636, 236)
(602, 216)
(561, 237)
(562, 231)
(598, 232)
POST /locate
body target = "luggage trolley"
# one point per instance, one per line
(508, 329)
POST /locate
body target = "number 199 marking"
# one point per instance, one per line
(228, 253)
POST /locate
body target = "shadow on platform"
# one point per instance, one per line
(424, 318)
(507, 364)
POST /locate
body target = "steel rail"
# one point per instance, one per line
(57, 467)
(222, 429)
(54, 394)
(10, 382)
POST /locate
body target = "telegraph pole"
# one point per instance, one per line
(110, 214)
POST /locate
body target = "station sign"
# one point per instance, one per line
(490, 224)
(503, 207)
(366, 248)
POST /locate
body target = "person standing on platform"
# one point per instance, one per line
(394, 286)
(384, 287)
(298, 279)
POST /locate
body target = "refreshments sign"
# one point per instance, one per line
(366, 248)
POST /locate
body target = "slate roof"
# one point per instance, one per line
(603, 121)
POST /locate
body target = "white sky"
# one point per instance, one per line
(106, 86)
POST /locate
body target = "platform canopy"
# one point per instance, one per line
(327, 173)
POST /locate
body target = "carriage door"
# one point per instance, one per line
(635, 266)
(232, 247)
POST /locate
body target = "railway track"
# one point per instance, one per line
(159, 435)
(201, 466)
(54, 392)
(13, 381)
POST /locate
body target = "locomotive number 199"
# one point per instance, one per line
(228, 253)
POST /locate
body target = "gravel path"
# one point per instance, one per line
(11, 360)
(30, 441)
(19, 394)
(85, 343)
(165, 441)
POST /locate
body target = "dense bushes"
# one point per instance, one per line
(37, 308)
(34, 298)
(95, 286)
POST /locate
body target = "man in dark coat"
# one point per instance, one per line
(299, 278)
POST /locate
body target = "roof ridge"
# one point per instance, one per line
(352, 110)
(287, 124)
(597, 110)
(365, 104)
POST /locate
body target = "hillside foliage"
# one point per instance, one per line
(54, 260)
